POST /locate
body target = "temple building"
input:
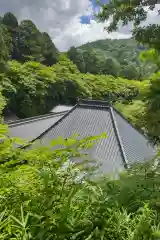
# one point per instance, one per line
(123, 146)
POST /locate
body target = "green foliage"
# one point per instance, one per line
(29, 42)
(10, 20)
(143, 35)
(32, 83)
(26, 42)
(124, 12)
(145, 111)
(8, 40)
(51, 198)
(152, 96)
(130, 72)
(114, 57)
(49, 51)
(92, 62)
(10, 23)
(151, 56)
(3, 53)
(32, 88)
(3, 68)
(77, 58)
(134, 112)
(111, 67)
(64, 65)
(2, 103)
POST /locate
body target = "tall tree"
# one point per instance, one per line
(10, 20)
(151, 56)
(152, 114)
(29, 42)
(7, 39)
(49, 50)
(130, 71)
(11, 25)
(111, 67)
(76, 56)
(3, 52)
(92, 62)
(123, 12)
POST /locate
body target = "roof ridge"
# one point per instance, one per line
(65, 115)
(120, 142)
(93, 102)
(48, 129)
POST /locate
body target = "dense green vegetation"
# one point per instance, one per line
(121, 14)
(125, 12)
(25, 42)
(37, 73)
(49, 199)
(32, 88)
(112, 57)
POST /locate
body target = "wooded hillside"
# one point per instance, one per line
(112, 57)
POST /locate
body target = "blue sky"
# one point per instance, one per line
(88, 18)
(61, 19)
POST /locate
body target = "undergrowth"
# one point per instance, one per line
(49, 197)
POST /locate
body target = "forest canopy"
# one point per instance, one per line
(25, 42)
(136, 12)
(116, 57)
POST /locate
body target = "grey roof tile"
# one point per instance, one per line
(136, 146)
(124, 143)
(31, 128)
(91, 121)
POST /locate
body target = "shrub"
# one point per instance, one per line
(33, 89)
(47, 199)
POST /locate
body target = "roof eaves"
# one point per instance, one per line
(124, 157)
(95, 106)
(34, 119)
(93, 102)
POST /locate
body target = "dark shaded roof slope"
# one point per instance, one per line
(31, 128)
(124, 144)
(136, 145)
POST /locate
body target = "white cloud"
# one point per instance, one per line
(60, 18)
(77, 34)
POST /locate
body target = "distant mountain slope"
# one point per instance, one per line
(117, 57)
(120, 49)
